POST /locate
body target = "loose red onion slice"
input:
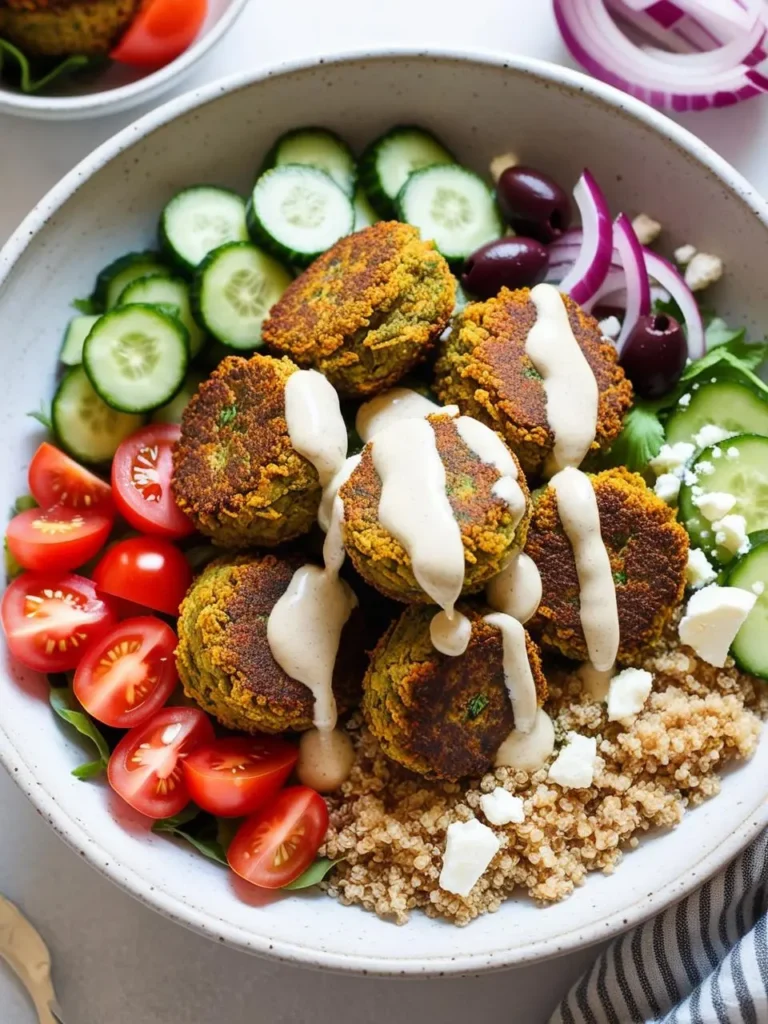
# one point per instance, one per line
(671, 279)
(594, 258)
(635, 276)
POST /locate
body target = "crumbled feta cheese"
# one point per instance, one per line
(706, 467)
(628, 693)
(714, 504)
(712, 619)
(610, 327)
(731, 533)
(704, 534)
(501, 808)
(732, 453)
(684, 254)
(685, 400)
(758, 587)
(672, 458)
(690, 478)
(574, 766)
(646, 228)
(717, 453)
(668, 487)
(699, 571)
(469, 848)
(500, 163)
(710, 434)
(703, 270)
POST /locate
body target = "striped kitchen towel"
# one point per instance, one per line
(703, 961)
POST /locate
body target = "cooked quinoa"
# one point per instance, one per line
(390, 825)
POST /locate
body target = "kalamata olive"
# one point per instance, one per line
(655, 355)
(511, 262)
(533, 204)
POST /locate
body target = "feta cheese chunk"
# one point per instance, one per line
(684, 255)
(469, 848)
(672, 458)
(702, 271)
(502, 808)
(646, 228)
(712, 619)
(610, 327)
(500, 163)
(731, 533)
(668, 487)
(574, 766)
(685, 400)
(628, 693)
(698, 572)
(714, 504)
(758, 588)
(711, 434)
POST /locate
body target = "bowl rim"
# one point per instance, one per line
(75, 833)
(113, 100)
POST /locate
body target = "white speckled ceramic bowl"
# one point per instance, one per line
(481, 105)
(120, 87)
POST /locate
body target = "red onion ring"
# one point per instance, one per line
(671, 279)
(594, 257)
(635, 275)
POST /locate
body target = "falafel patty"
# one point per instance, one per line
(489, 530)
(367, 311)
(483, 368)
(442, 717)
(236, 473)
(57, 28)
(648, 551)
(224, 660)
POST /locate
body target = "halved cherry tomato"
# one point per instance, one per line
(49, 619)
(145, 766)
(58, 538)
(234, 777)
(279, 842)
(141, 479)
(55, 479)
(161, 31)
(149, 571)
(129, 674)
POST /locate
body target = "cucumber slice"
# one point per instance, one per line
(725, 404)
(164, 290)
(115, 278)
(235, 288)
(84, 425)
(200, 219)
(389, 161)
(453, 206)
(298, 212)
(749, 649)
(172, 411)
(365, 215)
(136, 358)
(77, 331)
(744, 475)
(315, 147)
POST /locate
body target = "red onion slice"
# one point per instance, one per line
(671, 279)
(635, 276)
(594, 258)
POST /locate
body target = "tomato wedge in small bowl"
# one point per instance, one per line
(161, 31)
(55, 479)
(49, 619)
(145, 767)
(147, 571)
(129, 674)
(141, 481)
(58, 538)
(235, 776)
(278, 843)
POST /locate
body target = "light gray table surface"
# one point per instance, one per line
(115, 961)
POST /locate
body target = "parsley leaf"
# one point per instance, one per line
(476, 706)
(227, 414)
(66, 706)
(640, 439)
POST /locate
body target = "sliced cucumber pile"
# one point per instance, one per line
(83, 424)
(235, 288)
(365, 215)
(115, 278)
(734, 407)
(316, 147)
(750, 572)
(388, 161)
(453, 206)
(172, 411)
(200, 219)
(77, 331)
(165, 290)
(297, 212)
(136, 358)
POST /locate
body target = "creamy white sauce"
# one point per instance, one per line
(332, 489)
(450, 635)
(577, 506)
(392, 407)
(596, 682)
(516, 590)
(490, 449)
(315, 424)
(325, 759)
(518, 677)
(569, 383)
(527, 752)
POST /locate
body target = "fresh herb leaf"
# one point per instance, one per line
(619, 577)
(640, 439)
(476, 706)
(532, 372)
(314, 874)
(200, 830)
(227, 414)
(719, 333)
(23, 504)
(12, 567)
(32, 77)
(66, 706)
(177, 820)
(89, 770)
(86, 306)
(43, 416)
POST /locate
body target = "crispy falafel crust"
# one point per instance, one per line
(236, 473)
(367, 311)
(487, 526)
(224, 660)
(483, 368)
(648, 550)
(53, 28)
(441, 717)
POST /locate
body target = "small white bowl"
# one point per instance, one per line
(120, 87)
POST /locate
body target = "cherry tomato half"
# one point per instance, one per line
(141, 479)
(49, 619)
(129, 674)
(234, 777)
(160, 32)
(278, 843)
(55, 479)
(58, 538)
(145, 766)
(149, 571)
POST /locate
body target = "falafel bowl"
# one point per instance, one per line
(421, 541)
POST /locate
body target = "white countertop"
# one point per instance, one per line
(114, 961)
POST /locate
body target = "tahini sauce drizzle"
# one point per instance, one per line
(517, 670)
(315, 424)
(516, 590)
(391, 407)
(490, 449)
